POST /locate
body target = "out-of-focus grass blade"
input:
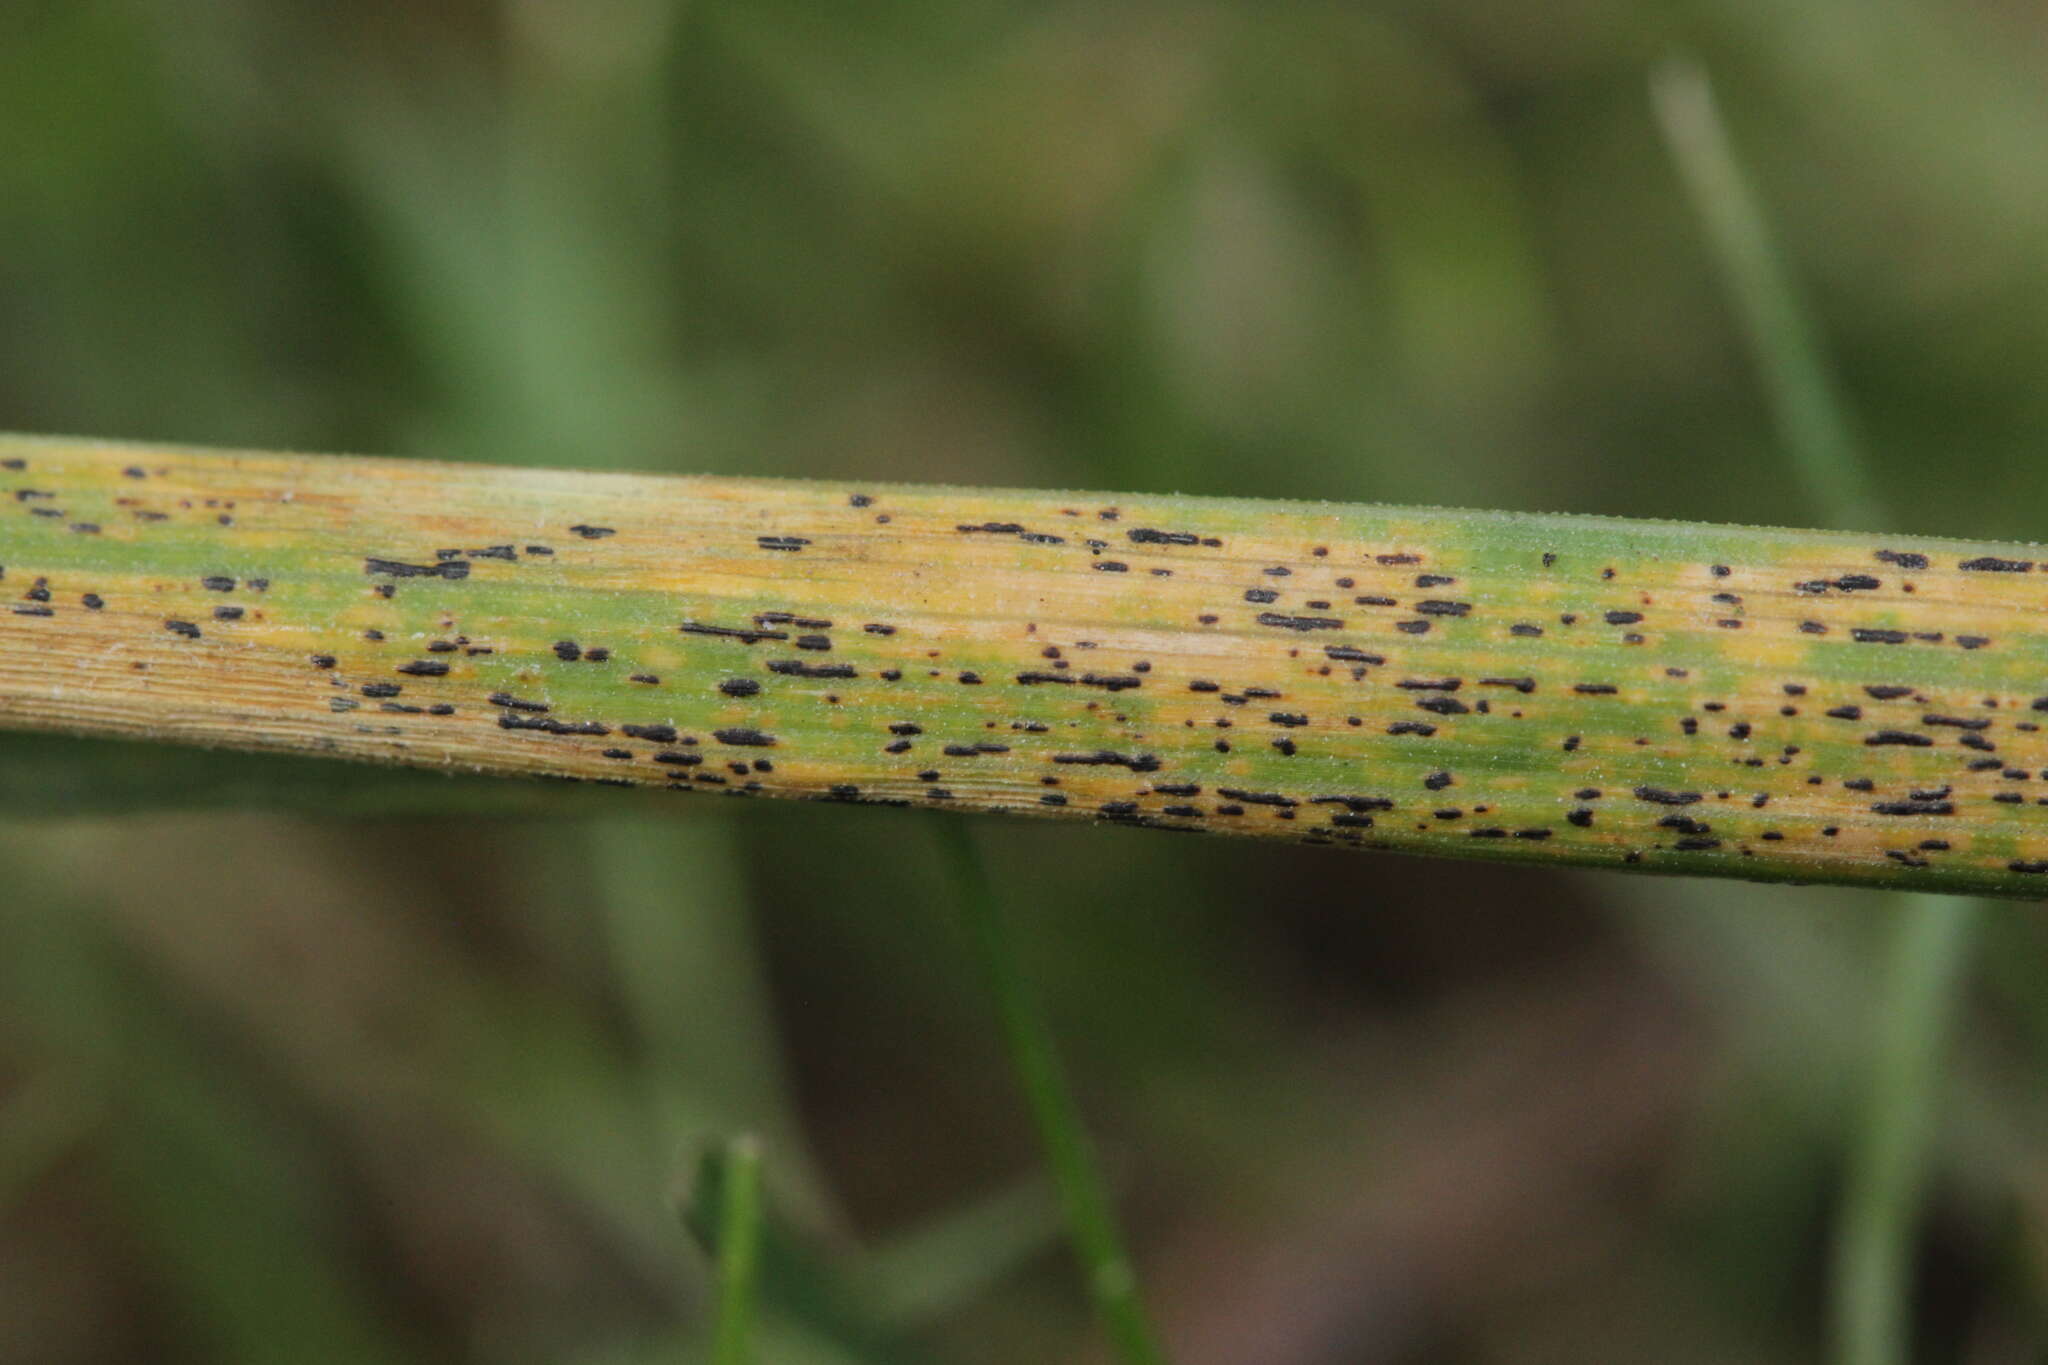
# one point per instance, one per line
(798, 1290)
(220, 1189)
(1929, 952)
(933, 1269)
(54, 777)
(739, 1253)
(1092, 1226)
(1812, 421)
(40, 1120)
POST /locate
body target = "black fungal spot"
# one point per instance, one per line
(744, 636)
(1145, 535)
(1303, 623)
(424, 668)
(591, 532)
(1663, 797)
(796, 668)
(1905, 738)
(743, 737)
(1437, 607)
(1106, 758)
(1867, 636)
(1993, 564)
(184, 628)
(1258, 798)
(781, 542)
(568, 651)
(549, 725)
(1623, 618)
(658, 734)
(453, 570)
(1411, 727)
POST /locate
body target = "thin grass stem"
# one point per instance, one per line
(1091, 1223)
(739, 1253)
(1872, 1270)
(1812, 421)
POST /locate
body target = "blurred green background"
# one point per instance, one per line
(280, 1088)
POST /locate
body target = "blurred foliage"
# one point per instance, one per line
(426, 1086)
